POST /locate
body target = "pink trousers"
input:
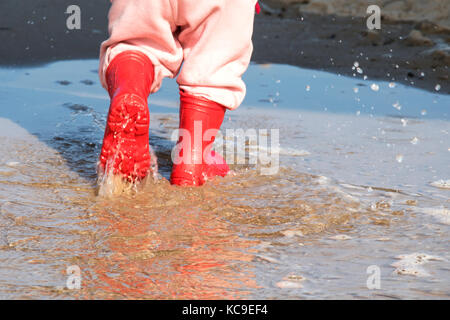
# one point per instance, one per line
(210, 38)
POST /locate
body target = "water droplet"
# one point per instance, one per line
(399, 158)
(423, 112)
(415, 140)
(397, 106)
(437, 87)
(375, 87)
(308, 88)
(392, 85)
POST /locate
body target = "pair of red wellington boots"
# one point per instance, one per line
(126, 150)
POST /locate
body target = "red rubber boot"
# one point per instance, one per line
(125, 149)
(194, 162)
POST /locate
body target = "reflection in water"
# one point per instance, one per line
(165, 243)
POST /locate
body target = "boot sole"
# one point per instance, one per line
(125, 149)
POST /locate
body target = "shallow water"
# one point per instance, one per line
(354, 189)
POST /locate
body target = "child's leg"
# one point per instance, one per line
(145, 26)
(217, 48)
(141, 51)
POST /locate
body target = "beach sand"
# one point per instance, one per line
(309, 34)
(436, 11)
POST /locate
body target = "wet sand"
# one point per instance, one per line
(436, 11)
(356, 187)
(35, 32)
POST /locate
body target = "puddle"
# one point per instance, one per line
(357, 187)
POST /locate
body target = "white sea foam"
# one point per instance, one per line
(411, 264)
(443, 184)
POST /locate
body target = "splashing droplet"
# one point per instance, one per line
(397, 106)
(404, 122)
